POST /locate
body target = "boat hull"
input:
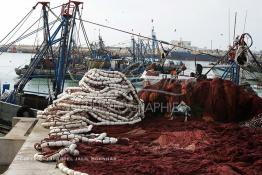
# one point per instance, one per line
(154, 79)
(219, 71)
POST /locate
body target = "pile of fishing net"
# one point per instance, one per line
(155, 145)
(159, 146)
(102, 98)
(215, 100)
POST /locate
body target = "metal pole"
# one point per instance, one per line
(61, 60)
(68, 57)
(229, 29)
(47, 37)
(245, 23)
(234, 36)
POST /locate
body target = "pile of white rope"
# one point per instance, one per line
(255, 122)
(102, 98)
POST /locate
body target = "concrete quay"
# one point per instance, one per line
(17, 149)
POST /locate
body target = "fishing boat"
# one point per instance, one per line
(250, 72)
(167, 70)
(245, 74)
(52, 62)
(59, 58)
(99, 57)
(241, 56)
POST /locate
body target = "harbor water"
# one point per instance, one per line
(10, 61)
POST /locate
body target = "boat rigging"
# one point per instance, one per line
(61, 34)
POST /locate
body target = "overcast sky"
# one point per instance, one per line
(199, 21)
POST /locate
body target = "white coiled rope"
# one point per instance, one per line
(102, 98)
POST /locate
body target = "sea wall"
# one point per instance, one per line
(13, 141)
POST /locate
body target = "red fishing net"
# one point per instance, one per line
(160, 146)
(218, 100)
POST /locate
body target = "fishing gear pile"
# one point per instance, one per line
(216, 100)
(102, 98)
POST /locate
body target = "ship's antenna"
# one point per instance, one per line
(229, 28)
(235, 26)
(153, 35)
(245, 22)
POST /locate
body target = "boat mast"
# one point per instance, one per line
(245, 23)
(133, 42)
(229, 29)
(154, 41)
(234, 36)
(69, 12)
(66, 28)
(47, 36)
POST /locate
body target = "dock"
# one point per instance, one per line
(25, 134)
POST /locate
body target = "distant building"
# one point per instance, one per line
(185, 44)
(189, 52)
